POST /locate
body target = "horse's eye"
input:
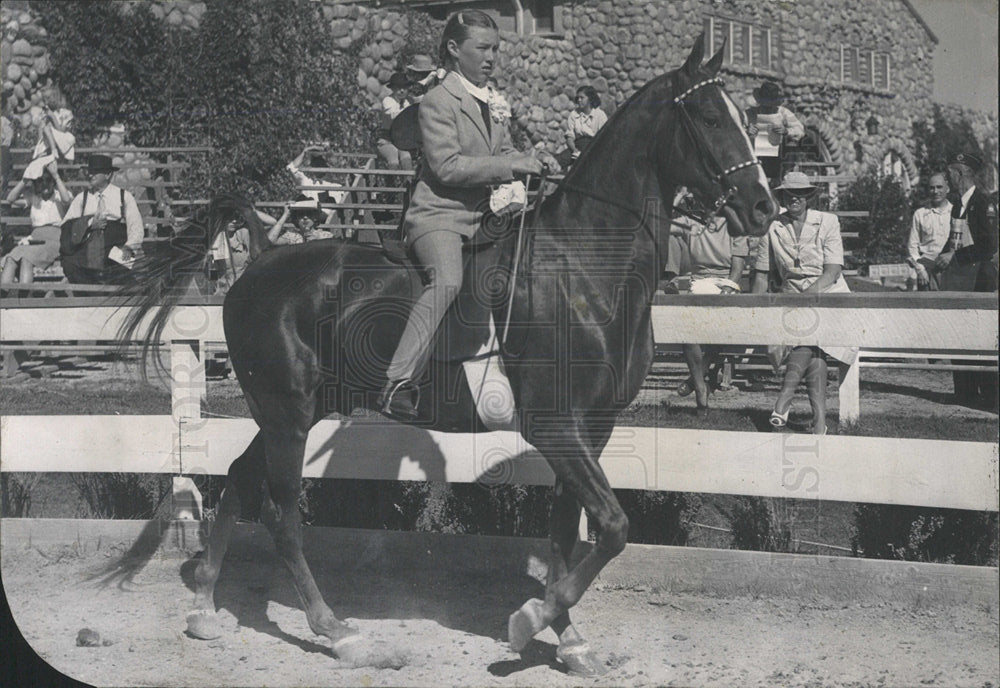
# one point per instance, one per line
(712, 122)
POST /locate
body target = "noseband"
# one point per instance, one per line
(721, 173)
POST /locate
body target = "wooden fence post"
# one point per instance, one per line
(850, 391)
(187, 389)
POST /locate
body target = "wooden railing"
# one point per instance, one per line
(951, 474)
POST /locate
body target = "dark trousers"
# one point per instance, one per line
(75, 268)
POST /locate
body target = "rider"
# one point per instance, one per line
(467, 150)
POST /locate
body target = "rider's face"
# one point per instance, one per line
(476, 56)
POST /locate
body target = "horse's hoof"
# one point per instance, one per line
(359, 651)
(581, 661)
(203, 624)
(525, 623)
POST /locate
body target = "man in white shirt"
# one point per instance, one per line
(929, 233)
(108, 218)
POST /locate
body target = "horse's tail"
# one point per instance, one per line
(164, 275)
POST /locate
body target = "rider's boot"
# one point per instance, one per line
(398, 400)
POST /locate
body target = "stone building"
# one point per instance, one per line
(858, 73)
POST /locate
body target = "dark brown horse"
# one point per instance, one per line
(311, 328)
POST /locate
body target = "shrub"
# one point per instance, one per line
(659, 518)
(252, 83)
(761, 524)
(884, 232)
(122, 495)
(15, 493)
(923, 534)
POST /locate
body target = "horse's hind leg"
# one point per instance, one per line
(285, 452)
(243, 485)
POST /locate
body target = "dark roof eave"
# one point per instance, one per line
(916, 15)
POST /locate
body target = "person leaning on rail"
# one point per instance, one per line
(805, 253)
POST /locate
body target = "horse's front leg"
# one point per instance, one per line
(579, 480)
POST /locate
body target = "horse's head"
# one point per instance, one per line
(704, 147)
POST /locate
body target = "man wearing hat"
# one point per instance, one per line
(101, 218)
(969, 260)
(423, 75)
(769, 122)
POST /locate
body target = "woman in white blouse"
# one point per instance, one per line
(41, 248)
(803, 248)
(585, 121)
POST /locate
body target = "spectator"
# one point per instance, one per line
(231, 251)
(305, 215)
(392, 105)
(804, 249)
(334, 191)
(717, 261)
(423, 75)
(769, 124)
(929, 233)
(583, 124)
(969, 261)
(6, 140)
(104, 217)
(41, 248)
(55, 138)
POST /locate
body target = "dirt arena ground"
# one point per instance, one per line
(450, 623)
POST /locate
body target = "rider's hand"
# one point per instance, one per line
(24, 241)
(752, 129)
(525, 164)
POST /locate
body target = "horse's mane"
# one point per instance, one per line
(164, 275)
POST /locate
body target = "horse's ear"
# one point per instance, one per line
(715, 63)
(693, 62)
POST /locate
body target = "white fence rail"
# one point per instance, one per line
(949, 474)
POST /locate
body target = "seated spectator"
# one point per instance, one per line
(55, 138)
(929, 233)
(102, 218)
(716, 262)
(305, 217)
(769, 124)
(231, 252)
(392, 105)
(41, 248)
(583, 124)
(804, 250)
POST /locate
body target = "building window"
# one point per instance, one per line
(865, 66)
(748, 45)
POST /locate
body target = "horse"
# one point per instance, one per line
(311, 328)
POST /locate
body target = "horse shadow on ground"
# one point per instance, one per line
(365, 579)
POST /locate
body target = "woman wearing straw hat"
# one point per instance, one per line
(804, 250)
(306, 217)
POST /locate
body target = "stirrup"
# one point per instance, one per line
(403, 407)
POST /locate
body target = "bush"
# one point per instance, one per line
(15, 493)
(760, 524)
(884, 232)
(659, 518)
(252, 83)
(922, 534)
(122, 495)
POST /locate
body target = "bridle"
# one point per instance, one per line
(721, 174)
